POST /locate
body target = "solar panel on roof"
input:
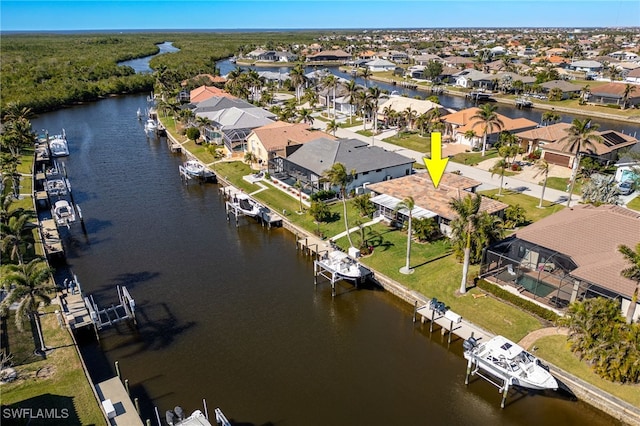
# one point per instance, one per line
(612, 139)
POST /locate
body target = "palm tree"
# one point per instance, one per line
(29, 285)
(550, 117)
(373, 94)
(366, 73)
(466, 223)
(298, 79)
(628, 90)
(305, 116)
(410, 115)
(489, 118)
(337, 176)
(580, 135)
(352, 88)
(311, 96)
(13, 240)
(332, 126)
(330, 82)
(499, 168)
(407, 204)
(543, 169)
(632, 273)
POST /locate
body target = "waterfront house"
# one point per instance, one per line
(534, 139)
(378, 65)
(569, 90)
(329, 56)
(279, 139)
(607, 151)
(471, 79)
(613, 94)
(203, 93)
(400, 104)
(586, 66)
(370, 164)
(458, 123)
(569, 256)
(429, 201)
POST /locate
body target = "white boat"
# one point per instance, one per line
(57, 187)
(194, 168)
(58, 146)
(150, 125)
(245, 205)
(509, 362)
(139, 114)
(343, 266)
(63, 213)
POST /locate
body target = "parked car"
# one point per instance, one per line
(626, 187)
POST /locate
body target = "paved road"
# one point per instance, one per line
(488, 182)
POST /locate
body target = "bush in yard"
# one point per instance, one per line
(193, 133)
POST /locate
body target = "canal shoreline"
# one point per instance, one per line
(613, 406)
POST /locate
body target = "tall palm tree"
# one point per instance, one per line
(29, 285)
(466, 223)
(410, 115)
(352, 88)
(488, 117)
(542, 169)
(330, 83)
(337, 176)
(298, 79)
(633, 273)
(407, 204)
(373, 94)
(550, 117)
(628, 90)
(581, 135)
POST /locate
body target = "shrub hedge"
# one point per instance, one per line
(527, 305)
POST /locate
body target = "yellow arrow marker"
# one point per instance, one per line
(436, 164)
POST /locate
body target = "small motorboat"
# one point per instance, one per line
(57, 187)
(194, 168)
(150, 125)
(245, 205)
(343, 266)
(63, 213)
(509, 362)
(58, 146)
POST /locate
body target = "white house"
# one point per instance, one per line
(378, 65)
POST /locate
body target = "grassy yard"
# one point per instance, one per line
(561, 184)
(634, 204)
(474, 157)
(527, 202)
(555, 349)
(57, 381)
(412, 141)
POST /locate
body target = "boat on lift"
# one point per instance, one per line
(58, 146)
(342, 266)
(246, 205)
(63, 213)
(150, 125)
(508, 361)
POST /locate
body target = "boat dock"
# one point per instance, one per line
(117, 404)
(523, 103)
(478, 95)
(265, 216)
(50, 238)
(450, 323)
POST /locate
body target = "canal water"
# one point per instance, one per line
(231, 315)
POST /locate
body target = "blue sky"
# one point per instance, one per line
(28, 15)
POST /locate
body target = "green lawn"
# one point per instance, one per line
(634, 204)
(527, 202)
(474, 157)
(412, 141)
(555, 349)
(57, 381)
(561, 184)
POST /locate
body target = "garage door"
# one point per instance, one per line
(559, 159)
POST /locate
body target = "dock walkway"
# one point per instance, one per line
(117, 403)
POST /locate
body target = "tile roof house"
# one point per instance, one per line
(203, 93)
(279, 139)
(633, 76)
(568, 89)
(613, 94)
(568, 256)
(537, 138)
(370, 163)
(612, 144)
(330, 55)
(401, 103)
(429, 201)
(458, 123)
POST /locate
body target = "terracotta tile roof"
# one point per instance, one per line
(550, 133)
(612, 141)
(202, 93)
(509, 125)
(420, 187)
(611, 89)
(278, 135)
(461, 117)
(590, 236)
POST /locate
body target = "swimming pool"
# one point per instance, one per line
(534, 286)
